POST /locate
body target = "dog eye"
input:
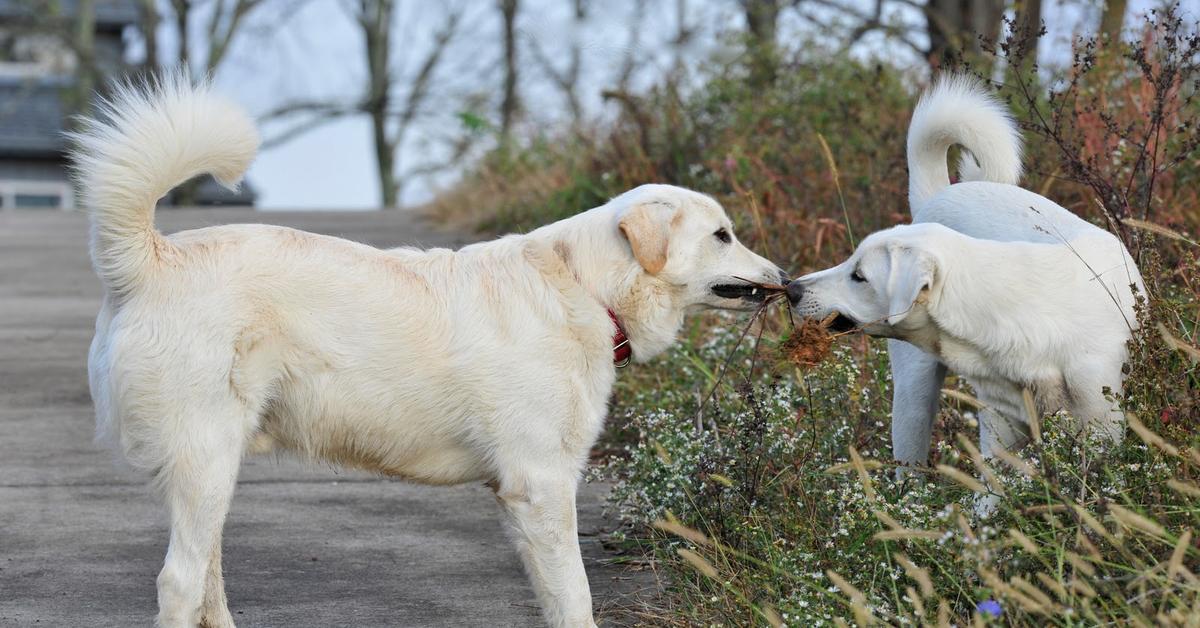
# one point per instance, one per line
(857, 276)
(722, 235)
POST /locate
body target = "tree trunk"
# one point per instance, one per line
(1028, 31)
(762, 20)
(385, 162)
(149, 26)
(511, 101)
(629, 62)
(571, 85)
(955, 27)
(182, 8)
(1113, 18)
(985, 18)
(376, 20)
(943, 18)
(85, 47)
(683, 36)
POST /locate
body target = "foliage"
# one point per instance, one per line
(758, 151)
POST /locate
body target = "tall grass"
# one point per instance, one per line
(777, 502)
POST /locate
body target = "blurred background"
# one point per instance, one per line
(388, 103)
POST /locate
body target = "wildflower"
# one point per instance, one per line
(991, 608)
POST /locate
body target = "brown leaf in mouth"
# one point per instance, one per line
(810, 343)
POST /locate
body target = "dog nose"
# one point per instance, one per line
(794, 292)
(783, 278)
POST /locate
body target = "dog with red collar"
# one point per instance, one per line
(492, 363)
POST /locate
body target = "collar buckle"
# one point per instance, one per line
(622, 350)
(618, 361)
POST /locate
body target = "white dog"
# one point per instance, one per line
(994, 282)
(493, 363)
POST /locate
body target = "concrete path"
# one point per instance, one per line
(82, 540)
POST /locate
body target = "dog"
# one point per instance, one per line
(493, 363)
(992, 281)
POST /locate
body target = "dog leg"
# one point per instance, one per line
(215, 611)
(541, 512)
(1092, 409)
(1001, 422)
(197, 485)
(997, 431)
(917, 379)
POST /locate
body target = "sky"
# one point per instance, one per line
(310, 50)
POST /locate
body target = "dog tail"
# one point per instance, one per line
(145, 139)
(959, 110)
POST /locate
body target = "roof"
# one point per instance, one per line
(109, 13)
(31, 117)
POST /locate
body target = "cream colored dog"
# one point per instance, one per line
(994, 282)
(493, 363)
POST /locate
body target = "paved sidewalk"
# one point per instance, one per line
(82, 540)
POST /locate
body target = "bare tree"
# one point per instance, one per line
(224, 23)
(685, 32)
(86, 74)
(374, 17)
(510, 103)
(226, 19)
(148, 29)
(955, 26)
(1112, 19)
(566, 79)
(394, 101)
(391, 126)
(1028, 31)
(762, 22)
(633, 52)
(865, 22)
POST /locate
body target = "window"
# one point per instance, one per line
(16, 194)
(37, 201)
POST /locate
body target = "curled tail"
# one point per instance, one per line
(144, 140)
(958, 110)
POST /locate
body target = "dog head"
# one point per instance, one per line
(886, 288)
(684, 241)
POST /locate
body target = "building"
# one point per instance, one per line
(39, 93)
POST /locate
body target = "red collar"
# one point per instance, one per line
(622, 351)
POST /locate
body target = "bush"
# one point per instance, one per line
(767, 155)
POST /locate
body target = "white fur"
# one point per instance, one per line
(994, 282)
(957, 111)
(492, 363)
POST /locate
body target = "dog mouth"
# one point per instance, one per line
(842, 323)
(741, 291)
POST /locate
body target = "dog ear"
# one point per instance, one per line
(647, 227)
(912, 276)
